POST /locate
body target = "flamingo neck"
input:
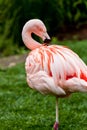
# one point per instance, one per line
(30, 42)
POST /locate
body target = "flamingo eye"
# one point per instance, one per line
(40, 29)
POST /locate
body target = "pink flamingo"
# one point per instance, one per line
(52, 69)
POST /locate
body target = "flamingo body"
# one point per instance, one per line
(52, 69)
(56, 70)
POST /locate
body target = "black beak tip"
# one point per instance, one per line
(47, 40)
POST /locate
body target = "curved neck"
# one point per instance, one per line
(29, 41)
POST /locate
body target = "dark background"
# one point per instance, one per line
(63, 19)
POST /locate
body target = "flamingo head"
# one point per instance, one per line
(37, 27)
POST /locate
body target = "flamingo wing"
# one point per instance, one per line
(57, 70)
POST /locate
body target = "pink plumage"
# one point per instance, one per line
(52, 69)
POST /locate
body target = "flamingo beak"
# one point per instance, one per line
(46, 38)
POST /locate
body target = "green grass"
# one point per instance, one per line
(22, 108)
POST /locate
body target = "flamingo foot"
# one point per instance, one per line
(56, 126)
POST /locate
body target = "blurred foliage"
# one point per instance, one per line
(56, 14)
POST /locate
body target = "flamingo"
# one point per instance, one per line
(52, 69)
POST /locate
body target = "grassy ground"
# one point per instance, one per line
(22, 108)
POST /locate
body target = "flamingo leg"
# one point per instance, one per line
(56, 125)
